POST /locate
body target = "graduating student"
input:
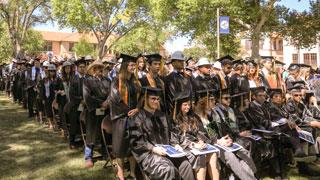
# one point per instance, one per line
(222, 77)
(203, 80)
(148, 128)
(189, 132)
(33, 78)
(141, 66)
(294, 75)
(177, 81)
(223, 131)
(47, 93)
(238, 81)
(62, 87)
(77, 103)
(124, 97)
(96, 89)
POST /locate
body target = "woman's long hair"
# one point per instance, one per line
(66, 76)
(190, 120)
(123, 77)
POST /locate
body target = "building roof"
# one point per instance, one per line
(68, 37)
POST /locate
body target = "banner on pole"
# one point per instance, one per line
(224, 25)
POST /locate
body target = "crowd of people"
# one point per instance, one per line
(130, 107)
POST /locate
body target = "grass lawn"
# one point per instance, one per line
(31, 151)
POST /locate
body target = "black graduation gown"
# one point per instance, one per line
(176, 82)
(239, 84)
(32, 88)
(159, 84)
(203, 82)
(119, 117)
(147, 130)
(218, 81)
(95, 92)
(259, 116)
(47, 99)
(76, 96)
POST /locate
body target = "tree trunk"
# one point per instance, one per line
(101, 48)
(255, 39)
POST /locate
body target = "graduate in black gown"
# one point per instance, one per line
(239, 82)
(96, 90)
(153, 78)
(76, 103)
(124, 101)
(47, 94)
(177, 81)
(148, 128)
(190, 132)
(203, 80)
(222, 79)
(223, 124)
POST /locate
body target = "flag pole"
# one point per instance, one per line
(218, 33)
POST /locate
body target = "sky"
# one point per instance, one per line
(179, 43)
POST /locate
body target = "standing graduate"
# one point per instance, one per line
(203, 80)
(177, 81)
(77, 103)
(96, 90)
(222, 77)
(125, 90)
(148, 128)
(47, 94)
(239, 82)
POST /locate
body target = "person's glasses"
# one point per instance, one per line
(154, 99)
(297, 95)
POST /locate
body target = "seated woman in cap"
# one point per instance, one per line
(223, 131)
(124, 98)
(148, 128)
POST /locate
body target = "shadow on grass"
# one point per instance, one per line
(31, 151)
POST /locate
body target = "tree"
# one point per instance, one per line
(197, 19)
(6, 49)
(109, 20)
(19, 16)
(33, 43)
(145, 39)
(83, 48)
(302, 29)
(195, 52)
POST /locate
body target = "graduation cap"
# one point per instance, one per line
(237, 100)
(251, 63)
(226, 60)
(237, 63)
(274, 91)
(267, 58)
(151, 91)
(180, 98)
(153, 57)
(127, 58)
(294, 67)
(256, 90)
(296, 88)
(299, 83)
(279, 63)
(189, 59)
(80, 61)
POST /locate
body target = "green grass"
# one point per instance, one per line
(31, 151)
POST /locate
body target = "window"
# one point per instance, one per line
(295, 58)
(274, 44)
(47, 46)
(280, 44)
(248, 44)
(71, 45)
(310, 59)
